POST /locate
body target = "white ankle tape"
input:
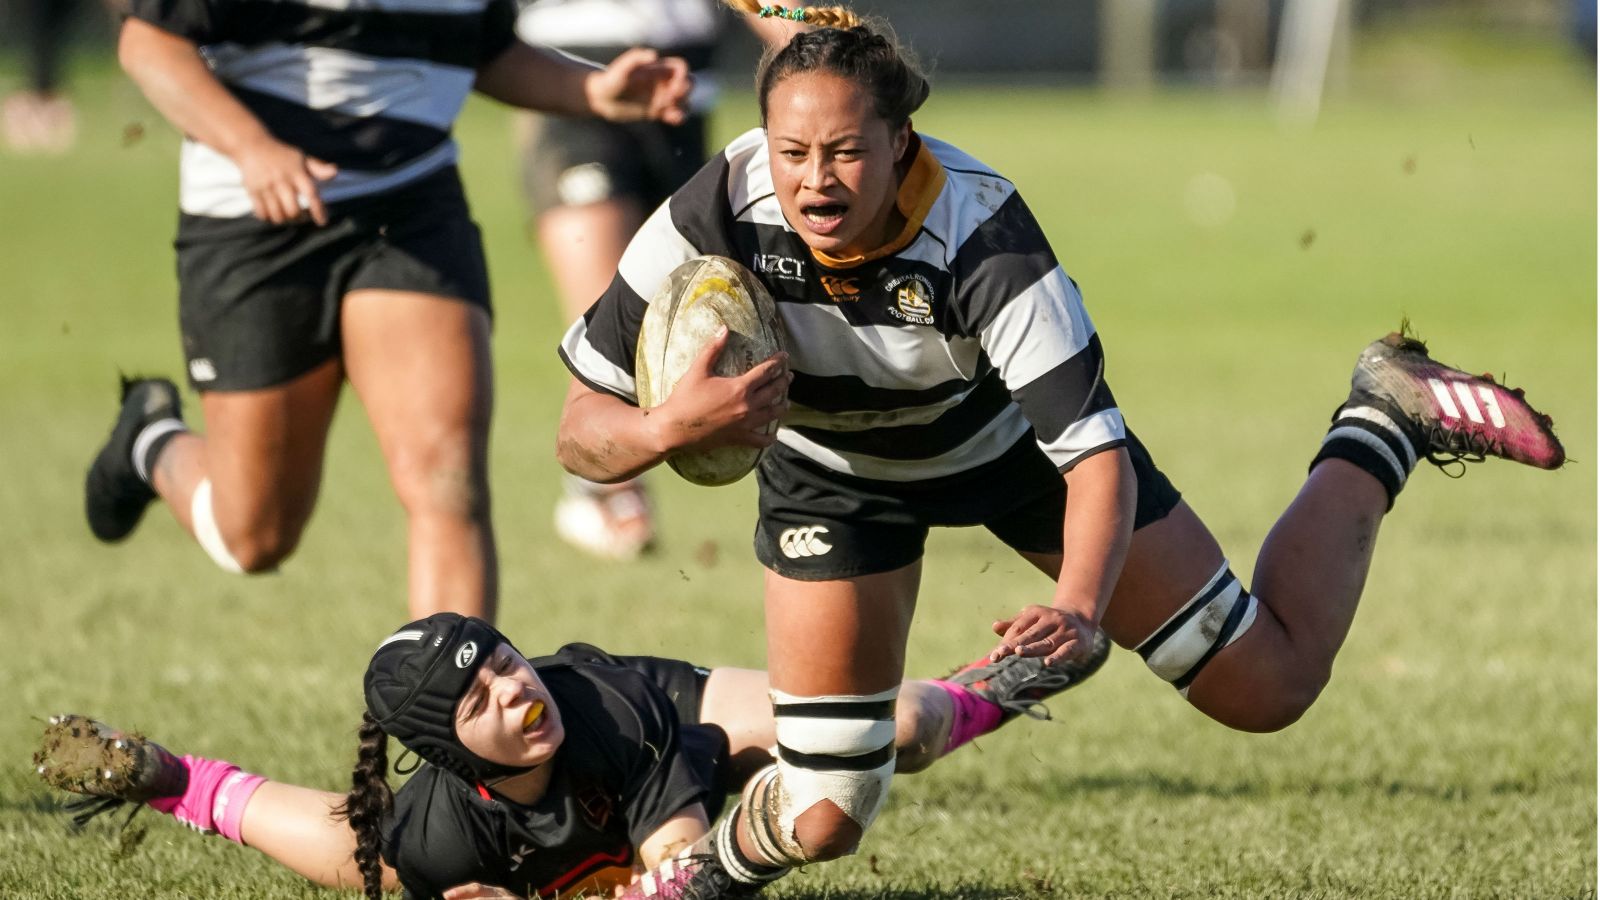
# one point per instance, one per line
(206, 531)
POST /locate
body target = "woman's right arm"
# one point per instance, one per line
(281, 180)
(605, 439)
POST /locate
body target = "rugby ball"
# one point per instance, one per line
(687, 311)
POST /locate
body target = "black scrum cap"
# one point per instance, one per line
(417, 677)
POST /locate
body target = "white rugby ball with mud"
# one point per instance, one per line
(689, 308)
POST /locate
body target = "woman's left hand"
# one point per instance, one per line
(476, 891)
(1055, 634)
(640, 84)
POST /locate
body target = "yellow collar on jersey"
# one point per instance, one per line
(920, 187)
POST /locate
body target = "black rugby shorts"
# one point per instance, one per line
(575, 162)
(819, 525)
(258, 304)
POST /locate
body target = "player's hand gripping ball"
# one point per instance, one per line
(687, 312)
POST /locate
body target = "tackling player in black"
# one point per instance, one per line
(547, 777)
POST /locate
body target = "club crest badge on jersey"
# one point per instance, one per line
(913, 299)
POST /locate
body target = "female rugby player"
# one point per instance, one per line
(942, 370)
(543, 778)
(324, 236)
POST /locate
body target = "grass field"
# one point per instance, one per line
(1234, 270)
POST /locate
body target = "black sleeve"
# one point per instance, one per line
(433, 840)
(499, 29)
(191, 19)
(661, 782)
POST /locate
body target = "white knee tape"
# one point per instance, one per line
(837, 748)
(1212, 619)
(206, 531)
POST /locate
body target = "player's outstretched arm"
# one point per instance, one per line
(637, 85)
(604, 439)
(674, 836)
(1097, 527)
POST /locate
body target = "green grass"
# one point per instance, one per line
(1452, 755)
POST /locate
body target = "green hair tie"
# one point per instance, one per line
(798, 13)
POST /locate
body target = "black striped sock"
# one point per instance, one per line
(1372, 435)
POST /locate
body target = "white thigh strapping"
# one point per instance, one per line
(1214, 618)
(207, 532)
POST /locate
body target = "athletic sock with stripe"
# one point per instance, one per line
(1371, 434)
(149, 443)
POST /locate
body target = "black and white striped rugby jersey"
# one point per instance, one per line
(372, 86)
(928, 357)
(600, 30)
(662, 24)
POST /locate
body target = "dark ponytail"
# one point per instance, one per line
(369, 802)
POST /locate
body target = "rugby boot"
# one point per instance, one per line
(1019, 685)
(109, 767)
(688, 876)
(1449, 415)
(115, 496)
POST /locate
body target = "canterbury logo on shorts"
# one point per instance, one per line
(801, 542)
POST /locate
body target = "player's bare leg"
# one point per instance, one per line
(582, 245)
(299, 827)
(245, 489)
(1257, 662)
(293, 825)
(421, 365)
(836, 651)
(1308, 581)
(739, 701)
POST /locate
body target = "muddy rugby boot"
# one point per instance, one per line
(110, 767)
(1449, 415)
(688, 876)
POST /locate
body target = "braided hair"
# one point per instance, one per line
(413, 683)
(369, 802)
(846, 45)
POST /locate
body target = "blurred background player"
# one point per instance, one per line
(40, 118)
(324, 236)
(548, 777)
(590, 183)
